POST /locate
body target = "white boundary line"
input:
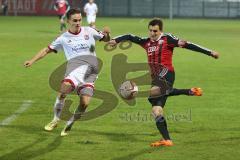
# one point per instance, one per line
(25, 105)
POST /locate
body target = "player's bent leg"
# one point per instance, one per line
(84, 101)
(86, 93)
(155, 91)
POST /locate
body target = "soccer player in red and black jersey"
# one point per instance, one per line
(159, 48)
(61, 7)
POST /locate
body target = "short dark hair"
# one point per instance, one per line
(72, 12)
(156, 21)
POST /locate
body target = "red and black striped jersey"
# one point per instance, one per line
(160, 52)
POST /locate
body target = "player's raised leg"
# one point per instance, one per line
(195, 91)
(66, 87)
(84, 101)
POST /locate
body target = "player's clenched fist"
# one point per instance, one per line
(215, 54)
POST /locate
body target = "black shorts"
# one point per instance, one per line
(165, 83)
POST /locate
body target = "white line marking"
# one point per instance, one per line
(25, 105)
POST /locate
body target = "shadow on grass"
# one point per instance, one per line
(203, 129)
(30, 129)
(26, 152)
(137, 153)
(216, 140)
(129, 137)
(121, 137)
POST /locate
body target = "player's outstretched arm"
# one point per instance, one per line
(197, 48)
(42, 53)
(127, 37)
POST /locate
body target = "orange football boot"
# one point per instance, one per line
(195, 91)
(162, 142)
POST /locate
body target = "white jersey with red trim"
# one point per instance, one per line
(74, 45)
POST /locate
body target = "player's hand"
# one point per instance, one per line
(112, 43)
(215, 54)
(28, 63)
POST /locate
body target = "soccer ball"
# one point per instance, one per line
(128, 90)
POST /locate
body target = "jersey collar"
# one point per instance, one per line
(75, 33)
(158, 38)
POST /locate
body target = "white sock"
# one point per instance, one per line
(70, 121)
(58, 106)
(78, 116)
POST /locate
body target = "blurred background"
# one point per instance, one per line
(136, 8)
(202, 128)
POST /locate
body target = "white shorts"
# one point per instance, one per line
(91, 19)
(81, 77)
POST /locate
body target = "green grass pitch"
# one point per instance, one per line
(204, 127)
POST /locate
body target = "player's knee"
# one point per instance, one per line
(157, 111)
(86, 91)
(66, 88)
(155, 91)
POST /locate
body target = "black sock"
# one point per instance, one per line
(162, 127)
(176, 92)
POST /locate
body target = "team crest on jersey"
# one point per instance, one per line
(152, 49)
(86, 37)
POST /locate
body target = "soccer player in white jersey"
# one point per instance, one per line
(77, 42)
(91, 10)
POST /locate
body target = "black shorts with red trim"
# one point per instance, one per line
(165, 82)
